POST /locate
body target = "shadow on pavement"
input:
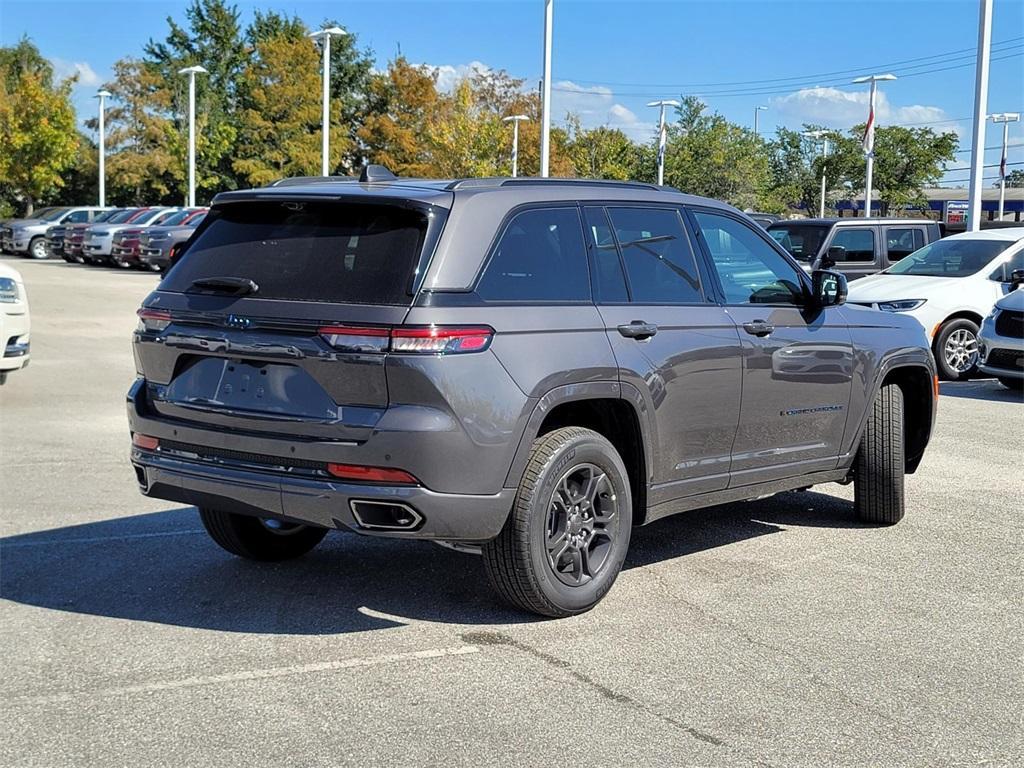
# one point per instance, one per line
(162, 567)
(980, 389)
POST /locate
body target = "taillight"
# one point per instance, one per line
(153, 319)
(372, 474)
(441, 339)
(354, 339)
(429, 340)
(145, 442)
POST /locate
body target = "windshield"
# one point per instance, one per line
(119, 217)
(950, 258)
(105, 216)
(803, 241)
(52, 213)
(175, 217)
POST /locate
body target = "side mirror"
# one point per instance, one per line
(829, 288)
(835, 254)
(1016, 279)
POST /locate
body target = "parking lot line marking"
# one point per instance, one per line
(97, 539)
(254, 674)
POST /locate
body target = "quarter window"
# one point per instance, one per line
(750, 270)
(656, 252)
(859, 244)
(540, 257)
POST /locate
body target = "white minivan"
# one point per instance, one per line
(949, 286)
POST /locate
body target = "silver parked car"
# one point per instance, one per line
(99, 240)
(1001, 339)
(27, 237)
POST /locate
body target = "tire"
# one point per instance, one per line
(37, 248)
(879, 466)
(588, 538)
(255, 539)
(1017, 385)
(947, 342)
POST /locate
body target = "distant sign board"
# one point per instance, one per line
(956, 211)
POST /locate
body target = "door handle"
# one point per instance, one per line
(758, 328)
(638, 330)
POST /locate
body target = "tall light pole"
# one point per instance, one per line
(102, 95)
(662, 134)
(324, 36)
(515, 120)
(823, 135)
(757, 110)
(545, 93)
(1005, 118)
(869, 137)
(192, 72)
(980, 111)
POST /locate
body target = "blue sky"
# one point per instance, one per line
(610, 58)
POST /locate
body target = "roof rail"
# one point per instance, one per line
(296, 181)
(525, 181)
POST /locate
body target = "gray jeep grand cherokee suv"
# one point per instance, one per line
(526, 367)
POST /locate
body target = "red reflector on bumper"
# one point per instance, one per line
(145, 442)
(372, 474)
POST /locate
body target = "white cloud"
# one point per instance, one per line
(450, 75)
(844, 109)
(595, 106)
(87, 77)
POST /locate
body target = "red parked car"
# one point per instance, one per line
(124, 251)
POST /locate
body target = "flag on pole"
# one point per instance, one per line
(868, 142)
(1002, 163)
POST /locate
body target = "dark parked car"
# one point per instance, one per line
(530, 367)
(855, 247)
(157, 243)
(28, 236)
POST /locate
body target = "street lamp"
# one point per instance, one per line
(192, 72)
(324, 36)
(515, 120)
(758, 109)
(662, 134)
(823, 135)
(545, 93)
(1005, 118)
(102, 94)
(869, 136)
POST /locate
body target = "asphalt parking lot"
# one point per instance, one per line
(777, 632)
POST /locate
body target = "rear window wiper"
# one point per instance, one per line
(239, 286)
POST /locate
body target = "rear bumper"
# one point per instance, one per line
(445, 516)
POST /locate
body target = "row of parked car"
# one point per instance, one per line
(142, 238)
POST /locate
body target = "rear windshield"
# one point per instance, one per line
(950, 258)
(803, 241)
(309, 251)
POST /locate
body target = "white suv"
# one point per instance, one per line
(949, 286)
(14, 322)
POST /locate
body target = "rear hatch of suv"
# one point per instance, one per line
(277, 318)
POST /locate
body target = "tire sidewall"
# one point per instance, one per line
(33, 244)
(580, 450)
(945, 332)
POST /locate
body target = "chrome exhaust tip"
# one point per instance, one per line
(385, 515)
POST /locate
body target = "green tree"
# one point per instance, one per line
(1014, 178)
(907, 160)
(279, 123)
(37, 125)
(602, 152)
(707, 155)
(796, 164)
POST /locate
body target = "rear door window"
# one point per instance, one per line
(540, 257)
(609, 280)
(78, 217)
(309, 251)
(858, 242)
(900, 242)
(659, 261)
